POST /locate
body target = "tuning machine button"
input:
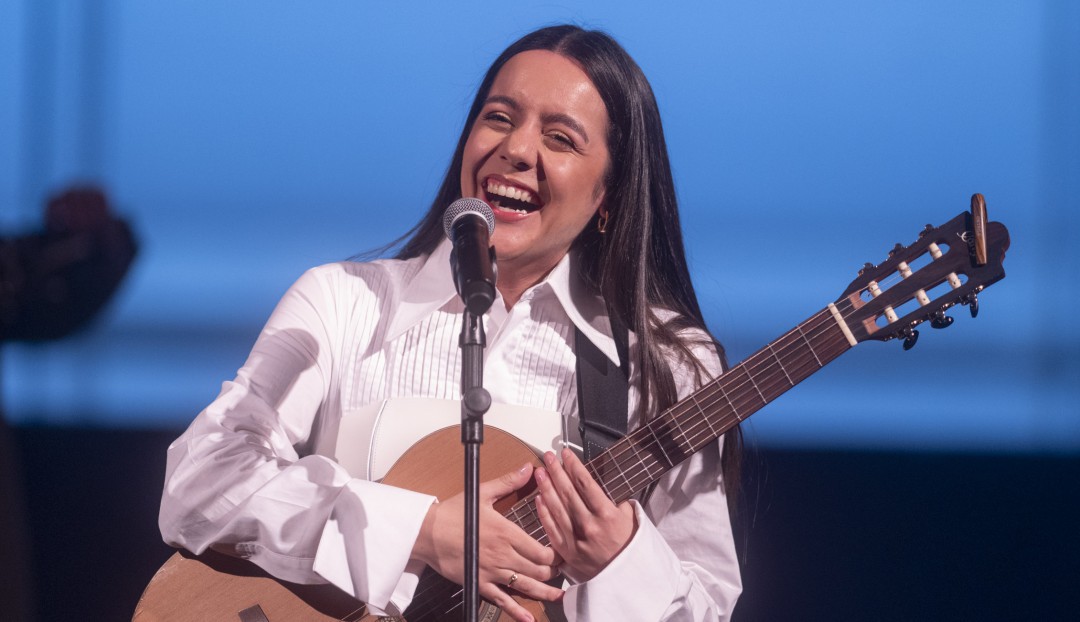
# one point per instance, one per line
(972, 301)
(866, 267)
(910, 336)
(940, 320)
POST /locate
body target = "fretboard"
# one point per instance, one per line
(643, 456)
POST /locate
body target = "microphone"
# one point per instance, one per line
(469, 223)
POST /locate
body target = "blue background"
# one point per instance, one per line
(247, 141)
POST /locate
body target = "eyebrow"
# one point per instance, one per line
(554, 117)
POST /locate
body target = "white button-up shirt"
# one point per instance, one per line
(254, 474)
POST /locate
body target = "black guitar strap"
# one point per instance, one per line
(602, 391)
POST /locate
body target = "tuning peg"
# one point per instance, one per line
(927, 229)
(866, 266)
(972, 301)
(896, 249)
(910, 336)
(940, 320)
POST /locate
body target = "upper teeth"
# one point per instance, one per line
(510, 192)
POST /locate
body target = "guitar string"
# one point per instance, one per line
(759, 360)
(436, 592)
(693, 402)
(769, 351)
(707, 397)
(677, 415)
(701, 430)
(704, 399)
(531, 524)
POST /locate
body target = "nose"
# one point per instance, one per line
(519, 148)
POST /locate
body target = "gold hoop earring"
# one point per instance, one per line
(601, 222)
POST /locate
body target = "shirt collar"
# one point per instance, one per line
(427, 291)
(432, 287)
(586, 309)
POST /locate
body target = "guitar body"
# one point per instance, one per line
(214, 586)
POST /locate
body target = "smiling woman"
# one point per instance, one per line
(564, 140)
(530, 156)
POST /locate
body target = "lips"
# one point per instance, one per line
(510, 197)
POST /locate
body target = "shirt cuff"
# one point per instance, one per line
(639, 584)
(367, 540)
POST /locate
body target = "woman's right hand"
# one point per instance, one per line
(505, 549)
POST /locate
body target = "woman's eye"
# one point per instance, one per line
(498, 117)
(562, 140)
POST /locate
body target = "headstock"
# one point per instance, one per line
(946, 266)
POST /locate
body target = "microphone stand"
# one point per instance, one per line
(474, 404)
(468, 223)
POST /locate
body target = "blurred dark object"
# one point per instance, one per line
(52, 283)
(16, 577)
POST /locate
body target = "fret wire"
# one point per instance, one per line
(749, 404)
(690, 448)
(660, 445)
(517, 515)
(649, 440)
(637, 455)
(670, 438)
(708, 420)
(756, 386)
(633, 443)
(801, 345)
(624, 482)
(762, 373)
(603, 480)
(810, 346)
(628, 447)
(621, 472)
(727, 397)
(792, 342)
(781, 364)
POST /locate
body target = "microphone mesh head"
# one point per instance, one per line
(464, 206)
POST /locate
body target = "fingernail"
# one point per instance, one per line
(524, 468)
(549, 457)
(540, 475)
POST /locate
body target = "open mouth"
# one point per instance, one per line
(511, 198)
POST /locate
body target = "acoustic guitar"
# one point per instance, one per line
(946, 266)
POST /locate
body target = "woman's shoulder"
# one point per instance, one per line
(380, 277)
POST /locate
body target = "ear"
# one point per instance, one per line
(602, 219)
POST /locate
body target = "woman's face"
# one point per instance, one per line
(537, 153)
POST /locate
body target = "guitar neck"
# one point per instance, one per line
(643, 456)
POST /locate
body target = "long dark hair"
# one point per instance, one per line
(639, 264)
